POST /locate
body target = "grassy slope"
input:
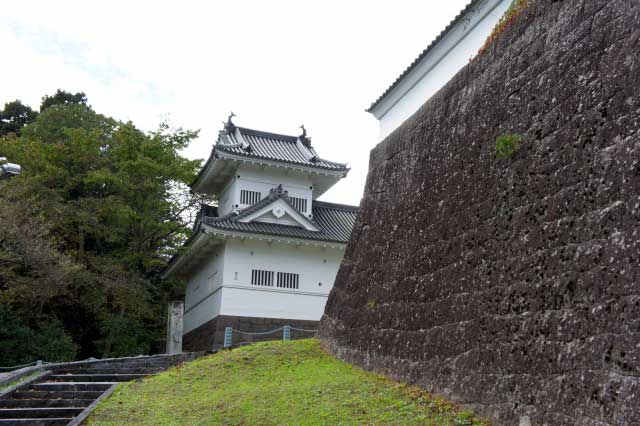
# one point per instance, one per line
(273, 383)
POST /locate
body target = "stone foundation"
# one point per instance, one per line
(510, 285)
(210, 335)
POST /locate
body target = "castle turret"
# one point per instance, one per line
(268, 253)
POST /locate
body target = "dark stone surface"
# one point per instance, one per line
(210, 335)
(510, 286)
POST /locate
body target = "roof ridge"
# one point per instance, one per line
(337, 206)
(228, 149)
(324, 160)
(271, 135)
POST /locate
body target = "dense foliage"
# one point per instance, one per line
(86, 230)
(16, 115)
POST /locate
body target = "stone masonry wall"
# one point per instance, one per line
(511, 286)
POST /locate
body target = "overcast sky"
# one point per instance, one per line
(276, 64)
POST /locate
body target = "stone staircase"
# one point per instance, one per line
(65, 394)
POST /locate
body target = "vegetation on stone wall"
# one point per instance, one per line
(515, 9)
(86, 229)
(507, 145)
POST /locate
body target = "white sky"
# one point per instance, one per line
(276, 64)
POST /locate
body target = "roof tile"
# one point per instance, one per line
(335, 222)
(275, 147)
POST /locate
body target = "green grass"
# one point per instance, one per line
(274, 383)
(20, 380)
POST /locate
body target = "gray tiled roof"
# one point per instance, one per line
(425, 52)
(275, 147)
(335, 222)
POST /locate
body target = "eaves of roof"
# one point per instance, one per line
(424, 53)
(334, 221)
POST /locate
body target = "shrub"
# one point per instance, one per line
(21, 343)
(507, 145)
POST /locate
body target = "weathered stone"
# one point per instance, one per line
(511, 286)
(175, 326)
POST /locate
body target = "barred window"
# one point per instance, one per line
(249, 197)
(299, 204)
(288, 280)
(261, 277)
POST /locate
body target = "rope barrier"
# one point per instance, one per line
(257, 334)
(286, 333)
(306, 331)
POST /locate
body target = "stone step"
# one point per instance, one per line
(71, 386)
(35, 422)
(40, 403)
(44, 394)
(95, 377)
(39, 413)
(123, 370)
(154, 366)
(157, 363)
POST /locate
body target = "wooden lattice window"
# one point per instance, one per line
(249, 197)
(288, 280)
(299, 204)
(262, 277)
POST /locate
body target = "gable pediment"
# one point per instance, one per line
(281, 213)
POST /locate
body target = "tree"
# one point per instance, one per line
(14, 117)
(21, 344)
(112, 199)
(62, 97)
(33, 274)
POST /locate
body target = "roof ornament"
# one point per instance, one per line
(229, 126)
(306, 140)
(278, 191)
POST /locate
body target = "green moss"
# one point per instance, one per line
(371, 303)
(273, 383)
(507, 145)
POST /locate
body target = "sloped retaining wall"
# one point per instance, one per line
(511, 286)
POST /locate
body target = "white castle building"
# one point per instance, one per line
(438, 63)
(267, 255)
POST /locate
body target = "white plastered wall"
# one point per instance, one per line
(222, 285)
(262, 179)
(316, 266)
(202, 296)
(452, 53)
